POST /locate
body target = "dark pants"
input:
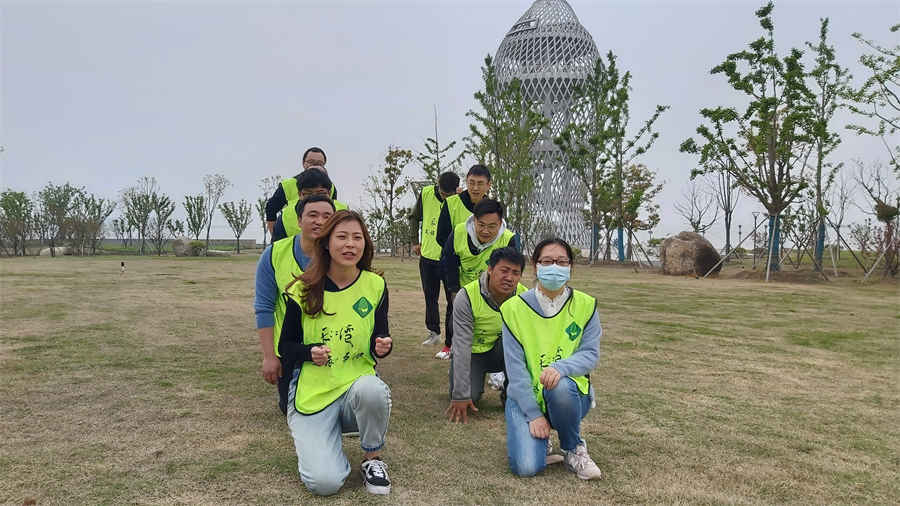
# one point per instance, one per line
(483, 363)
(278, 231)
(431, 275)
(288, 361)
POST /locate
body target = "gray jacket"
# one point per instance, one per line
(463, 328)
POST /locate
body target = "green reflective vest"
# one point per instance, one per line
(345, 326)
(458, 212)
(487, 324)
(289, 217)
(431, 211)
(471, 266)
(286, 269)
(548, 339)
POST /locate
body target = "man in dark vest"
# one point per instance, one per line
(427, 210)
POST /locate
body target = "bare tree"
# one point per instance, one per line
(722, 187)
(214, 186)
(839, 196)
(238, 216)
(884, 204)
(267, 186)
(695, 206)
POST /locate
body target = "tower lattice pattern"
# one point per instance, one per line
(549, 51)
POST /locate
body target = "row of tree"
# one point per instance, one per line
(68, 215)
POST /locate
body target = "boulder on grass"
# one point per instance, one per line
(688, 253)
(181, 246)
(59, 251)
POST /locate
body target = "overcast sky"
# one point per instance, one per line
(100, 94)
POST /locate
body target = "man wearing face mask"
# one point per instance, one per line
(468, 248)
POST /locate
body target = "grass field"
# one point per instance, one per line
(145, 388)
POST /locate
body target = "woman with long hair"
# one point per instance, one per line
(337, 316)
(551, 337)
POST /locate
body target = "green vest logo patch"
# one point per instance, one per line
(573, 331)
(362, 307)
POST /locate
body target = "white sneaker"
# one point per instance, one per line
(433, 338)
(444, 354)
(580, 463)
(552, 458)
(496, 379)
(374, 474)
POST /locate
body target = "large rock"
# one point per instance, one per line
(219, 253)
(688, 253)
(59, 251)
(181, 246)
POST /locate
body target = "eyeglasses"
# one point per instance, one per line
(546, 262)
(309, 193)
(487, 226)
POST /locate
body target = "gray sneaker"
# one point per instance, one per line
(580, 463)
(433, 338)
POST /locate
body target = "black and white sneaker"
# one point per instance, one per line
(374, 473)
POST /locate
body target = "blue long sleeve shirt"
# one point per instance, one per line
(266, 286)
(582, 361)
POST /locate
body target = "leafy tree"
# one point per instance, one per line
(386, 189)
(879, 96)
(214, 186)
(161, 224)
(694, 208)
(122, 230)
(56, 204)
(596, 143)
(238, 216)
(16, 219)
(90, 213)
(830, 84)
(640, 212)
(766, 147)
(195, 208)
(138, 202)
(502, 135)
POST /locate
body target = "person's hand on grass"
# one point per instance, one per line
(320, 354)
(539, 428)
(549, 378)
(271, 369)
(459, 410)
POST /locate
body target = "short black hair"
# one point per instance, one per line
(313, 178)
(448, 182)
(301, 204)
(313, 149)
(479, 170)
(509, 254)
(546, 242)
(487, 206)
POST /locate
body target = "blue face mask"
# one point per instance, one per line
(553, 277)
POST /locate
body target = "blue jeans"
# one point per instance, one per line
(365, 407)
(566, 407)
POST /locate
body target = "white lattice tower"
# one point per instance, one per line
(550, 52)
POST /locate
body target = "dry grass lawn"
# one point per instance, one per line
(145, 388)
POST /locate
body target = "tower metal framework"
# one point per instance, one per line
(550, 52)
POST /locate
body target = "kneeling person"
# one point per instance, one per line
(338, 313)
(477, 348)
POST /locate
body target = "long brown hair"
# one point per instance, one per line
(313, 279)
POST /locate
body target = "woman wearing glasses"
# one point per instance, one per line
(551, 337)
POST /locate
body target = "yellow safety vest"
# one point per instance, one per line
(471, 266)
(286, 269)
(345, 325)
(487, 325)
(431, 211)
(548, 339)
(457, 210)
(289, 217)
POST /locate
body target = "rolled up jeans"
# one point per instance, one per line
(566, 407)
(365, 407)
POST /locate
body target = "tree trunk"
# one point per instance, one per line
(820, 244)
(620, 235)
(775, 242)
(727, 233)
